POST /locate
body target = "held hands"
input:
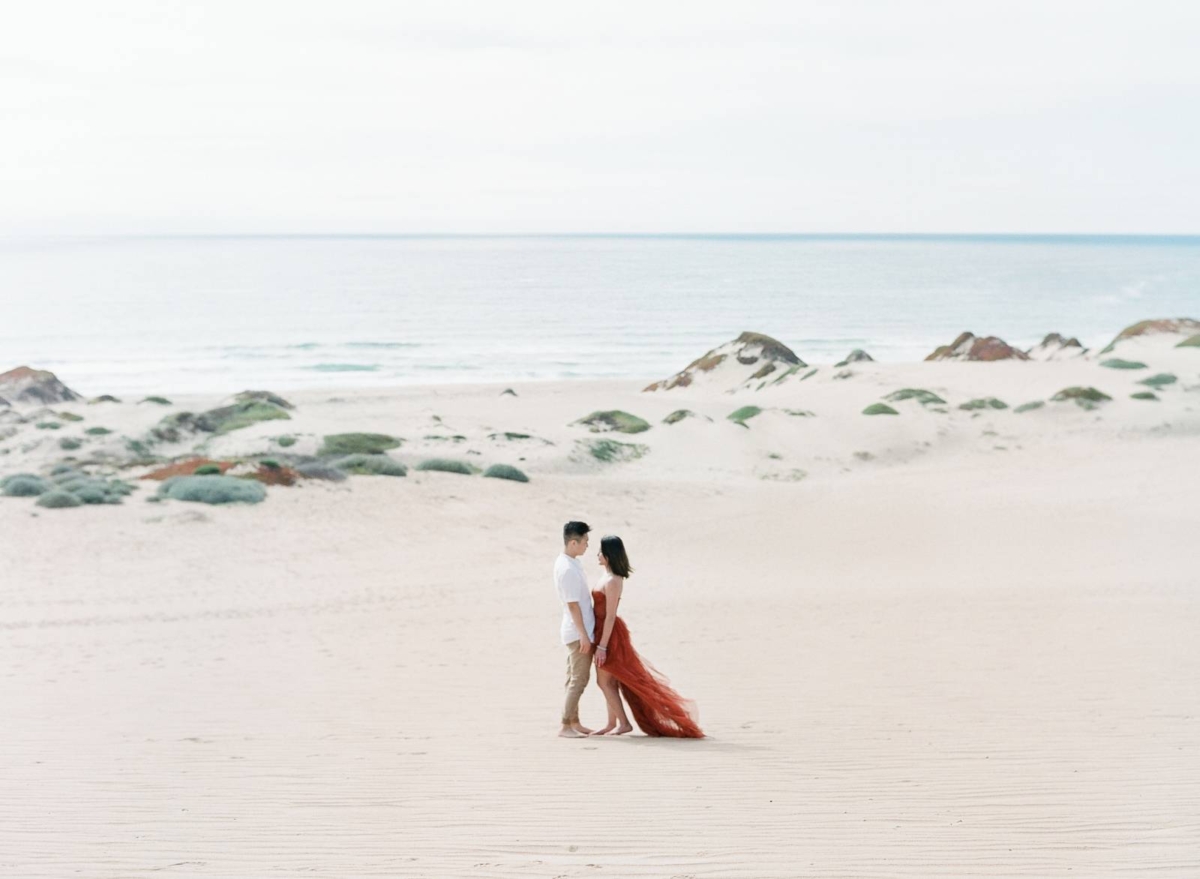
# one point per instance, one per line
(601, 655)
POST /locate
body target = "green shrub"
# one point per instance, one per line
(69, 443)
(1144, 395)
(1085, 398)
(286, 442)
(616, 420)
(58, 499)
(320, 470)
(207, 470)
(1030, 406)
(63, 469)
(612, 452)
(879, 409)
(367, 465)
(1159, 381)
(97, 431)
(70, 416)
(922, 396)
(358, 444)
(504, 471)
(678, 415)
(270, 463)
(226, 419)
(48, 425)
(1118, 363)
(103, 398)
(741, 416)
(24, 485)
(984, 403)
(446, 465)
(508, 435)
(212, 490)
(263, 397)
(161, 401)
(1190, 342)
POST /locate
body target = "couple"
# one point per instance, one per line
(658, 709)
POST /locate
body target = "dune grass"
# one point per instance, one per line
(447, 465)
(1159, 381)
(1190, 342)
(984, 403)
(879, 409)
(504, 471)
(212, 490)
(612, 452)
(368, 465)
(358, 444)
(1144, 395)
(741, 416)
(97, 431)
(922, 396)
(1118, 363)
(1085, 398)
(1030, 406)
(614, 420)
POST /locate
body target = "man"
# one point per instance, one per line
(578, 623)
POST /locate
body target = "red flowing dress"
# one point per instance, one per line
(656, 708)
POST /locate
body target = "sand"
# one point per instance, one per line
(968, 651)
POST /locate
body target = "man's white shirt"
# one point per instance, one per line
(572, 585)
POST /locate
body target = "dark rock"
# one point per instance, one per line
(858, 355)
(26, 385)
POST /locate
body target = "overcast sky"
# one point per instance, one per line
(509, 116)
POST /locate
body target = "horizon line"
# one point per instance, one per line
(996, 236)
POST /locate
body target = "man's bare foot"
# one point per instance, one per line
(606, 730)
(568, 732)
(622, 729)
(581, 729)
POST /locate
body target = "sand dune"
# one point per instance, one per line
(968, 651)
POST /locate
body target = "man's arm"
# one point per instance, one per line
(585, 645)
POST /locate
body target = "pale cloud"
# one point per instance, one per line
(646, 117)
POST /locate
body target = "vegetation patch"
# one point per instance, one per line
(808, 374)
(879, 409)
(321, 470)
(58, 500)
(285, 442)
(208, 470)
(1159, 381)
(509, 435)
(1118, 363)
(263, 397)
(103, 398)
(212, 490)
(504, 471)
(1085, 398)
(1030, 406)
(1144, 395)
(922, 396)
(48, 425)
(70, 416)
(984, 403)
(367, 465)
(24, 485)
(614, 420)
(741, 416)
(229, 418)
(70, 443)
(97, 431)
(158, 401)
(447, 465)
(612, 452)
(1190, 342)
(358, 444)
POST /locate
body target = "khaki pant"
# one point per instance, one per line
(579, 669)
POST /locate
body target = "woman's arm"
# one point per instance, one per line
(612, 594)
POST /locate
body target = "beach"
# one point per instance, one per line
(955, 642)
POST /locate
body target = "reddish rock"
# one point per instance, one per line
(968, 346)
(27, 385)
(185, 468)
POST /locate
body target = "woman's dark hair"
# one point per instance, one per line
(614, 550)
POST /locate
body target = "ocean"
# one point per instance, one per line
(221, 314)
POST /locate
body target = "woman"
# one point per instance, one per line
(658, 709)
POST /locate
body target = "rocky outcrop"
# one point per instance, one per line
(1179, 326)
(27, 385)
(968, 346)
(1056, 347)
(750, 358)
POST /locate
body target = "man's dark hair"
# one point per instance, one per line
(574, 530)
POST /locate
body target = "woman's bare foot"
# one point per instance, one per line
(606, 730)
(622, 729)
(581, 729)
(568, 732)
